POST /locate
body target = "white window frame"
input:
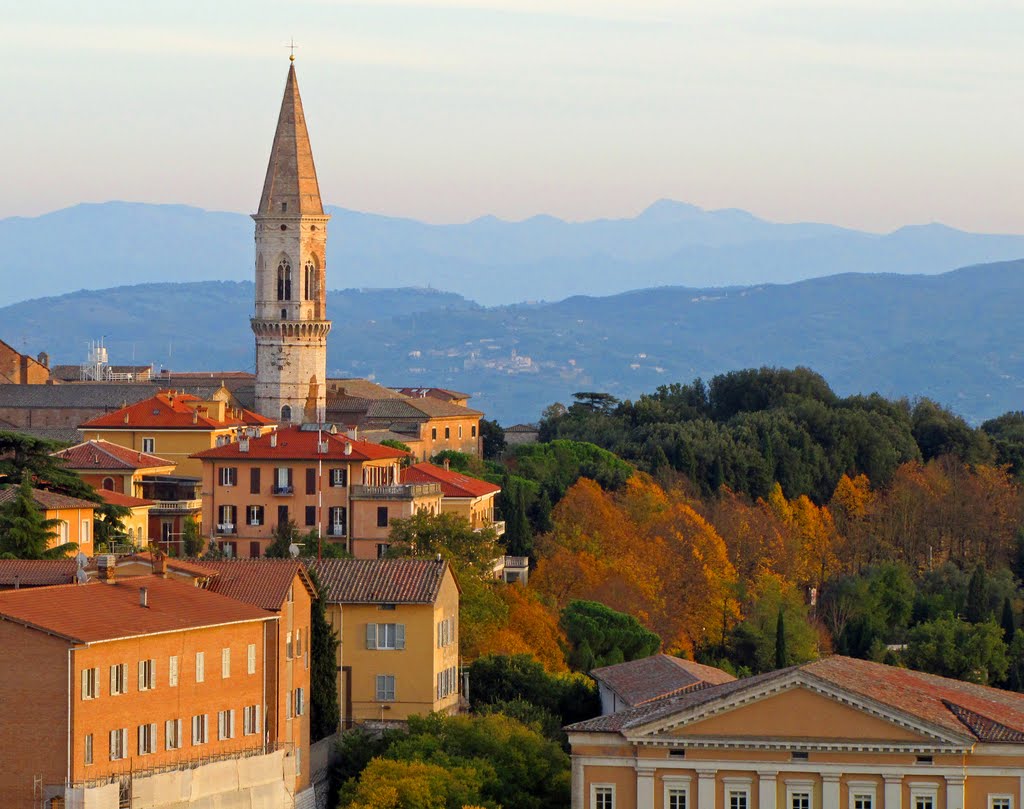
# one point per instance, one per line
(924, 790)
(225, 662)
(228, 475)
(118, 679)
(736, 786)
(226, 724)
(172, 734)
(381, 690)
(200, 667)
(90, 683)
(118, 744)
(675, 785)
(300, 701)
(1006, 800)
(250, 720)
(147, 674)
(147, 739)
(200, 729)
(608, 789)
(250, 654)
(799, 787)
(149, 445)
(87, 749)
(254, 517)
(172, 671)
(62, 531)
(84, 536)
(377, 637)
(868, 789)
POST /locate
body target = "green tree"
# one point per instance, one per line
(518, 537)
(1007, 621)
(976, 609)
(492, 437)
(471, 552)
(108, 523)
(600, 636)
(950, 647)
(324, 712)
(390, 784)
(25, 532)
(285, 534)
(191, 539)
(23, 457)
(780, 641)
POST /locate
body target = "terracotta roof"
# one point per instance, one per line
(453, 484)
(295, 443)
(356, 388)
(94, 612)
(639, 681)
(37, 572)
(962, 708)
(125, 500)
(380, 581)
(48, 501)
(200, 569)
(103, 455)
(444, 394)
(102, 396)
(170, 411)
(263, 583)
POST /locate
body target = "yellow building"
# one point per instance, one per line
(837, 733)
(136, 523)
(175, 426)
(74, 516)
(398, 621)
(468, 497)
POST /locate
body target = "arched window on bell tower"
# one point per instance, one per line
(286, 413)
(310, 281)
(284, 280)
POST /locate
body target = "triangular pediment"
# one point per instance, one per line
(794, 710)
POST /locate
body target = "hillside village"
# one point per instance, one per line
(282, 589)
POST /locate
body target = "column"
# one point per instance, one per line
(645, 787)
(830, 791)
(578, 801)
(767, 790)
(955, 792)
(706, 789)
(894, 792)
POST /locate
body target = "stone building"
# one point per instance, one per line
(290, 321)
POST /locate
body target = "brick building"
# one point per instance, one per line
(20, 369)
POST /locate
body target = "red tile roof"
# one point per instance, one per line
(37, 572)
(199, 569)
(639, 681)
(103, 455)
(295, 443)
(961, 708)
(48, 501)
(96, 612)
(453, 484)
(263, 583)
(170, 411)
(380, 581)
(124, 500)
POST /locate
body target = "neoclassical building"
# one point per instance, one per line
(837, 733)
(290, 321)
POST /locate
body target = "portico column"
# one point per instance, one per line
(706, 789)
(767, 790)
(645, 787)
(894, 792)
(577, 784)
(830, 791)
(954, 792)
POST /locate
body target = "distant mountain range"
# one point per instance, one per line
(489, 261)
(957, 337)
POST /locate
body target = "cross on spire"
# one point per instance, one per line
(291, 46)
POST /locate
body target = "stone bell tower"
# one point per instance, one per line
(291, 322)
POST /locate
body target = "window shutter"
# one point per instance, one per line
(169, 734)
(177, 728)
(371, 636)
(257, 728)
(311, 481)
(399, 636)
(85, 683)
(113, 743)
(142, 739)
(195, 729)
(232, 733)
(113, 679)
(124, 742)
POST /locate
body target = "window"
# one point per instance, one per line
(283, 480)
(172, 671)
(85, 530)
(118, 744)
(225, 725)
(923, 795)
(460, 431)
(675, 797)
(602, 796)
(339, 477)
(118, 679)
(226, 519)
(87, 748)
(447, 682)
(385, 688)
(254, 480)
(472, 431)
(250, 720)
(433, 433)
(251, 659)
(310, 481)
(284, 281)
(737, 797)
(62, 531)
(862, 794)
(200, 666)
(228, 475)
(309, 281)
(298, 643)
(289, 699)
(310, 515)
(445, 632)
(289, 646)
(255, 515)
(286, 411)
(382, 549)
(147, 675)
(199, 735)
(385, 636)
(338, 517)
(172, 734)
(382, 516)
(1000, 802)
(282, 515)
(108, 484)
(90, 683)
(447, 433)
(225, 663)
(799, 799)
(300, 701)
(924, 802)
(147, 739)
(149, 445)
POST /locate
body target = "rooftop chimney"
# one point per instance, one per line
(159, 565)
(447, 464)
(243, 444)
(273, 440)
(143, 596)
(106, 566)
(348, 447)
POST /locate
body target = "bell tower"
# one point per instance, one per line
(290, 322)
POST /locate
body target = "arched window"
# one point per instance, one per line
(286, 413)
(108, 484)
(284, 280)
(310, 281)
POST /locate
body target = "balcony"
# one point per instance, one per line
(401, 491)
(176, 506)
(283, 491)
(225, 528)
(498, 526)
(336, 531)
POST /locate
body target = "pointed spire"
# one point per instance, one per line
(291, 187)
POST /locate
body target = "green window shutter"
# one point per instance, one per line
(399, 636)
(371, 636)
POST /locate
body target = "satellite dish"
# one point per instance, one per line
(82, 560)
(81, 576)
(293, 549)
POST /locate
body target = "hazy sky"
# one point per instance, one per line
(864, 113)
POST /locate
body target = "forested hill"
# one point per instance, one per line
(953, 337)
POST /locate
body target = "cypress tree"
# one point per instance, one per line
(1007, 620)
(324, 712)
(24, 531)
(976, 609)
(780, 641)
